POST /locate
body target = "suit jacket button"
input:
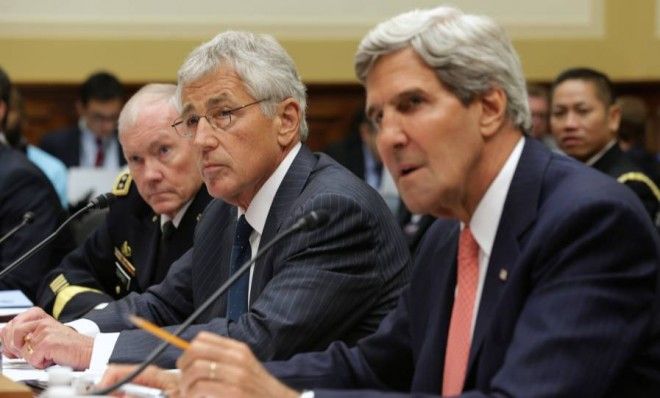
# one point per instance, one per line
(118, 289)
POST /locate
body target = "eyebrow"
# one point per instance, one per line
(213, 101)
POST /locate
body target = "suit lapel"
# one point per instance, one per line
(518, 214)
(293, 183)
(439, 296)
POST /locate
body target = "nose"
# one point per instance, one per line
(205, 136)
(153, 170)
(391, 133)
(572, 121)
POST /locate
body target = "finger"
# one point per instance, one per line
(20, 331)
(214, 348)
(113, 373)
(207, 388)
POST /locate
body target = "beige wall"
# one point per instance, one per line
(146, 40)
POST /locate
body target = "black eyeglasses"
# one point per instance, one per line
(218, 117)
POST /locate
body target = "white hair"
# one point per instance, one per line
(147, 95)
(266, 69)
(470, 54)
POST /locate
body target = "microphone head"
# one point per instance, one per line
(28, 217)
(102, 201)
(315, 219)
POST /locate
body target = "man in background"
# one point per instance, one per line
(585, 120)
(538, 98)
(160, 198)
(93, 141)
(51, 166)
(24, 188)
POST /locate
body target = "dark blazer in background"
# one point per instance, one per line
(568, 309)
(65, 145)
(616, 164)
(348, 153)
(96, 272)
(23, 188)
(333, 283)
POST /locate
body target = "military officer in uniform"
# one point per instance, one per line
(585, 119)
(160, 199)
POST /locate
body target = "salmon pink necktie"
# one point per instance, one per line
(460, 326)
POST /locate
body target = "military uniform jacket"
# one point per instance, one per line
(120, 256)
(615, 163)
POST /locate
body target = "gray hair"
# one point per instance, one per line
(470, 54)
(147, 95)
(266, 69)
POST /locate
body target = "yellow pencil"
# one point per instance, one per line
(158, 332)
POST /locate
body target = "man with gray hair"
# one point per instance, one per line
(243, 107)
(542, 280)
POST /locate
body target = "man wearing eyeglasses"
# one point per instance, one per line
(243, 105)
(93, 142)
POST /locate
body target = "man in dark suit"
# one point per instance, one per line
(93, 141)
(24, 188)
(585, 120)
(142, 234)
(544, 285)
(243, 105)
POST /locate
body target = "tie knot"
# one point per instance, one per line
(243, 230)
(467, 246)
(168, 229)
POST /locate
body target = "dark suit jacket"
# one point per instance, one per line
(348, 153)
(333, 283)
(23, 188)
(567, 308)
(96, 272)
(65, 145)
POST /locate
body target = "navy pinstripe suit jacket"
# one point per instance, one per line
(569, 306)
(333, 283)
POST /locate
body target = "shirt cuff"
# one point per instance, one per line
(307, 394)
(84, 326)
(104, 344)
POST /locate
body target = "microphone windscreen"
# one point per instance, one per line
(28, 217)
(315, 219)
(102, 201)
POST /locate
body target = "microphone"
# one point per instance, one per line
(100, 202)
(28, 217)
(310, 221)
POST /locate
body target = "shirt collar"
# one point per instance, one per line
(258, 210)
(177, 217)
(486, 217)
(600, 154)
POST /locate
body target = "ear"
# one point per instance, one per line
(614, 118)
(288, 112)
(493, 111)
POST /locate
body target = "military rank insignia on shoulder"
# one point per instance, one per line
(122, 184)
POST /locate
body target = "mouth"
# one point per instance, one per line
(406, 170)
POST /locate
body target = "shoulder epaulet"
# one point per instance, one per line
(122, 184)
(640, 177)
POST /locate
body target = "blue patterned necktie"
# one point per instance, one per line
(237, 302)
